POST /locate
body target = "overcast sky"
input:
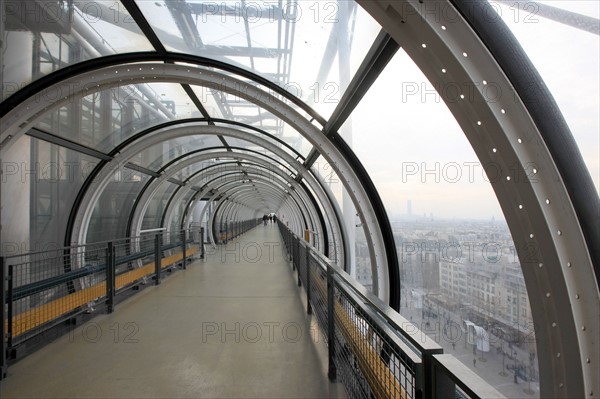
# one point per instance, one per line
(422, 135)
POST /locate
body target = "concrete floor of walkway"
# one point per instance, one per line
(233, 326)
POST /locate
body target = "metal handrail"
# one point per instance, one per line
(434, 374)
(80, 274)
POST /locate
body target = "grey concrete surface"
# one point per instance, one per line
(233, 326)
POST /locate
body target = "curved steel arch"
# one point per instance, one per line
(145, 196)
(179, 130)
(306, 205)
(226, 197)
(177, 196)
(224, 211)
(207, 189)
(249, 171)
(196, 198)
(148, 56)
(548, 214)
(358, 184)
(205, 150)
(226, 166)
(127, 153)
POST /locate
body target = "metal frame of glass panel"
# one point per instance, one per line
(248, 172)
(549, 222)
(557, 216)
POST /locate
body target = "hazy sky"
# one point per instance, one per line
(414, 149)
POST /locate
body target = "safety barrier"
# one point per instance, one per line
(228, 230)
(373, 350)
(42, 289)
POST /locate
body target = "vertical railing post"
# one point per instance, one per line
(110, 277)
(429, 383)
(157, 258)
(290, 246)
(9, 316)
(292, 253)
(202, 254)
(184, 247)
(297, 259)
(443, 386)
(6, 301)
(308, 306)
(332, 372)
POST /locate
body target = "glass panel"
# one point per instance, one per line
(111, 213)
(186, 172)
(573, 75)
(295, 142)
(105, 119)
(269, 157)
(155, 157)
(43, 37)
(213, 97)
(360, 261)
(46, 179)
(156, 207)
(239, 110)
(235, 142)
(287, 45)
(458, 267)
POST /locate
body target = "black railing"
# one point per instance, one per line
(373, 350)
(39, 290)
(228, 230)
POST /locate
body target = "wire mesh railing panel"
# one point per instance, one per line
(318, 294)
(377, 365)
(46, 287)
(302, 263)
(373, 350)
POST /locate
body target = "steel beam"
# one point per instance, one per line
(381, 52)
(62, 142)
(544, 188)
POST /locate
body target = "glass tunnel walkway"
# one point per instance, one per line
(223, 320)
(232, 325)
(433, 167)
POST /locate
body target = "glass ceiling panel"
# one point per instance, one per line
(114, 28)
(78, 31)
(105, 119)
(235, 142)
(571, 76)
(259, 135)
(295, 46)
(226, 106)
(157, 156)
(186, 172)
(212, 98)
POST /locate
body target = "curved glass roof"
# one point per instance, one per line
(338, 72)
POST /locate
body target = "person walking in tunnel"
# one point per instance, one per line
(265, 217)
(274, 219)
(270, 218)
